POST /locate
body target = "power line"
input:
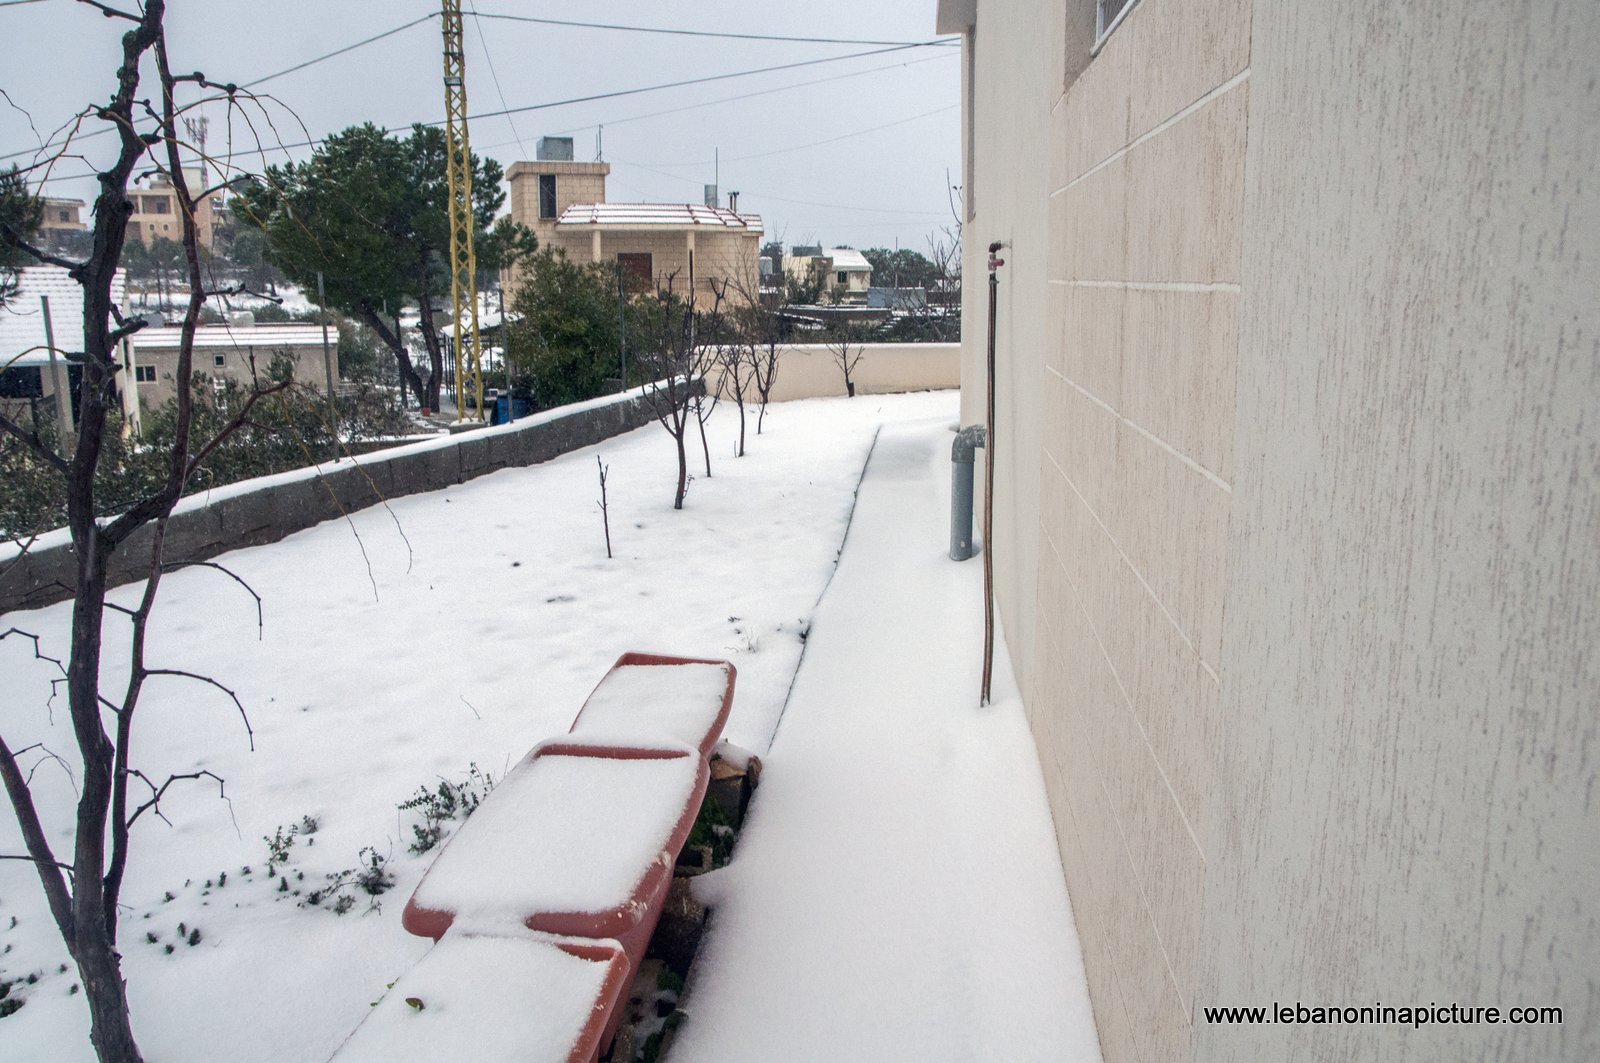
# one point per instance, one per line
(941, 42)
(690, 81)
(760, 92)
(339, 52)
(489, 61)
(781, 199)
(245, 85)
(819, 143)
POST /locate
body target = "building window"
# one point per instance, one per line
(156, 205)
(219, 360)
(844, 278)
(1108, 16)
(547, 195)
(64, 215)
(638, 271)
(144, 374)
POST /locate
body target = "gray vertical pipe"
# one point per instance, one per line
(963, 453)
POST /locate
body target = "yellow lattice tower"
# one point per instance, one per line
(463, 263)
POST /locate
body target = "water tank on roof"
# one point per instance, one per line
(555, 149)
(242, 318)
(712, 199)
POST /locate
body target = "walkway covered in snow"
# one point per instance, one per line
(896, 893)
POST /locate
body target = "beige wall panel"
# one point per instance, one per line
(808, 371)
(1083, 442)
(1091, 121)
(1087, 235)
(1409, 718)
(1185, 187)
(1172, 522)
(1089, 346)
(1178, 360)
(1182, 49)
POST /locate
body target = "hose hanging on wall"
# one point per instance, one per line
(995, 262)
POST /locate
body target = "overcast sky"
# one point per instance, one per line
(789, 150)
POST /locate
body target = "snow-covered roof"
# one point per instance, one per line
(848, 260)
(230, 337)
(22, 318)
(665, 215)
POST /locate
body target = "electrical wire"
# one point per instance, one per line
(244, 85)
(818, 143)
(943, 42)
(489, 62)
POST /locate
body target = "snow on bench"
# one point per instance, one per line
(578, 840)
(523, 999)
(647, 699)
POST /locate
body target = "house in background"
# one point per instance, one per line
(240, 352)
(564, 203)
(29, 379)
(62, 216)
(843, 274)
(1296, 498)
(156, 209)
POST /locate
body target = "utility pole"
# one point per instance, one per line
(463, 262)
(66, 431)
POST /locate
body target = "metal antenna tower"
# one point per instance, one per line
(463, 262)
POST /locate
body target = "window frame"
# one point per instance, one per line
(1104, 29)
(553, 211)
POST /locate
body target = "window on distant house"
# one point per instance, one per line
(219, 360)
(547, 195)
(157, 204)
(1108, 16)
(844, 278)
(63, 215)
(144, 374)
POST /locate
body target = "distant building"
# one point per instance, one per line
(844, 274)
(564, 203)
(155, 209)
(62, 216)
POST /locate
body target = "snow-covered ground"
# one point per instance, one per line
(463, 626)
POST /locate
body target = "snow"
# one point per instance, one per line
(895, 893)
(650, 703)
(534, 1009)
(561, 834)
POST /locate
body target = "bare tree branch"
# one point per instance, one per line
(197, 677)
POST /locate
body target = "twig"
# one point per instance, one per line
(605, 513)
(179, 673)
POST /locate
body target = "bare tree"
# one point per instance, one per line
(667, 359)
(83, 892)
(605, 508)
(847, 345)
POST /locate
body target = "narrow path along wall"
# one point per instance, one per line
(272, 507)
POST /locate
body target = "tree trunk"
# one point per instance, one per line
(683, 467)
(109, 1031)
(436, 359)
(704, 446)
(402, 357)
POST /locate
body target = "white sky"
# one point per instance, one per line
(865, 190)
